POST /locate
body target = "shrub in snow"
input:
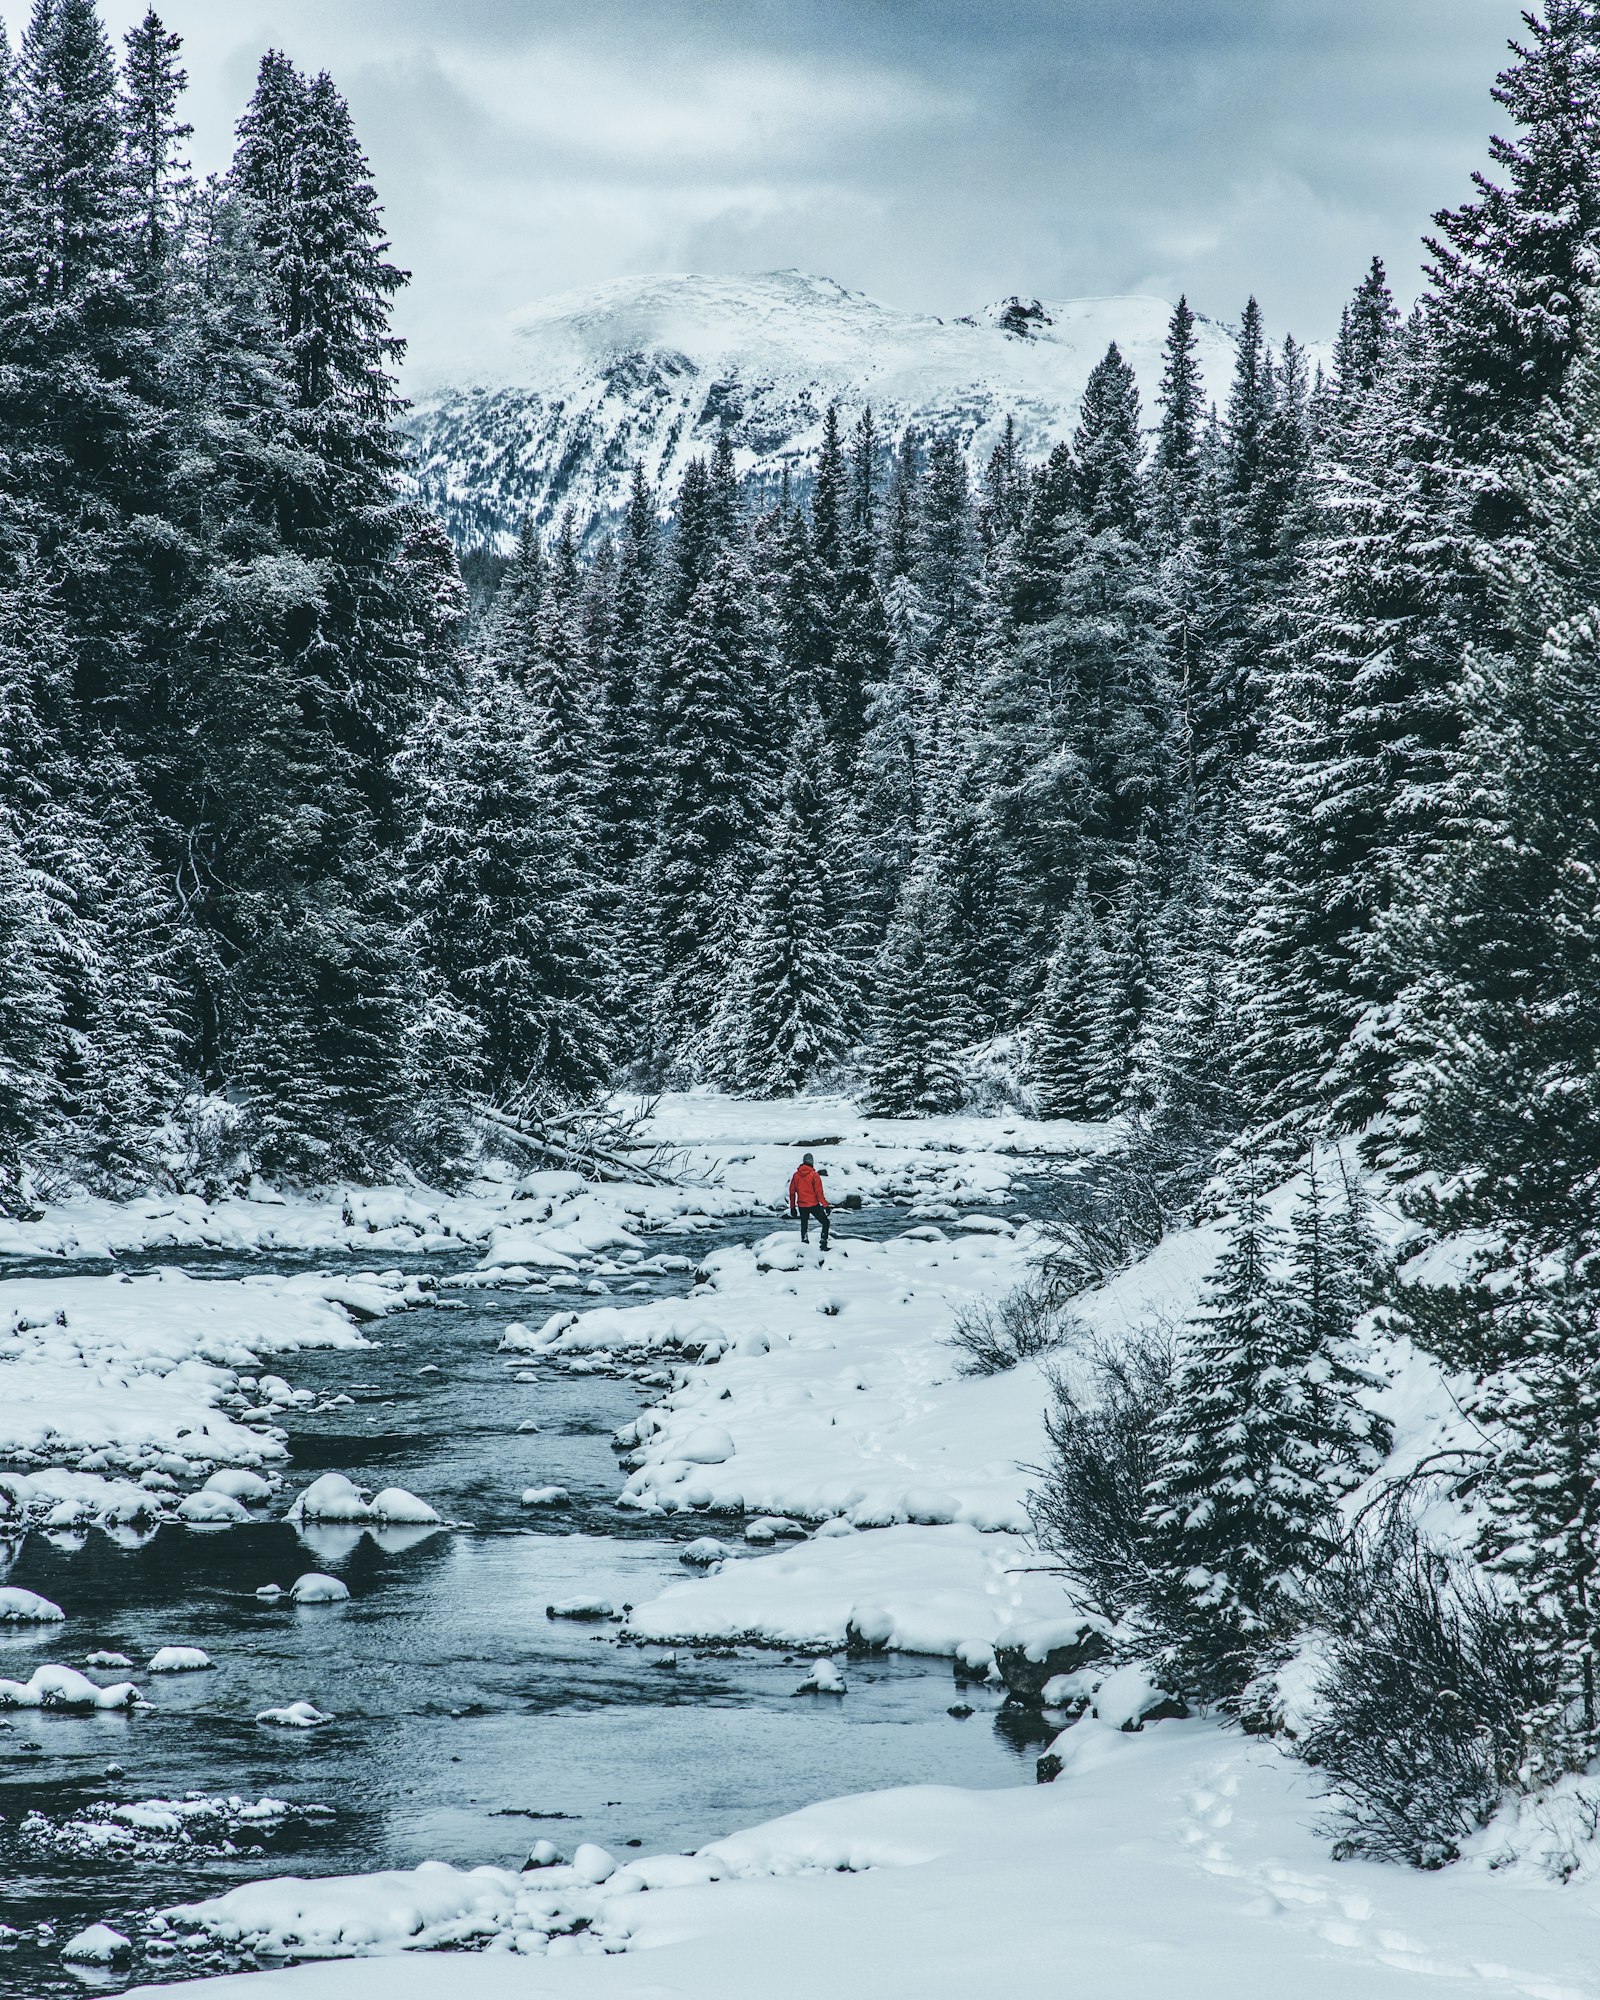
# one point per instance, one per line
(1089, 1509)
(178, 1660)
(994, 1335)
(314, 1588)
(26, 1607)
(1427, 1679)
(1109, 1217)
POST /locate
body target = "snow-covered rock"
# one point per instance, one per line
(333, 1497)
(315, 1588)
(702, 1552)
(27, 1607)
(707, 1445)
(238, 1483)
(402, 1509)
(210, 1509)
(179, 1660)
(596, 1608)
(545, 1496)
(297, 1715)
(824, 1678)
(593, 1864)
(65, 1687)
(577, 387)
(98, 1945)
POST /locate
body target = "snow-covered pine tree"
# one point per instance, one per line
(861, 625)
(1344, 801)
(1331, 1280)
(900, 516)
(499, 899)
(829, 484)
(127, 1021)
(1369, 326)
(1501, 1095)
(346, 684)
(1512, 267)
(917, 1008)
(796, 984)
(1238, 1506)
(1063, 1035)
(945, 561)
(1107, 448)
(799, 593)
(1541, 1529)
(960, 851)
(31, 1017)
(557, 681)
(153, 82)
(895, 766)
(713, 777)
(1129, 946)
(1175, 462)
(82, 441)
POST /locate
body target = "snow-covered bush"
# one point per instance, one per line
(994, 1335)
(1428, 1676)
(1090, 1508)
(1109, 1214)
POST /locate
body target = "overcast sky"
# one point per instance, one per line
(935, 153)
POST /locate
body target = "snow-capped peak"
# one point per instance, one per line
(578, 386)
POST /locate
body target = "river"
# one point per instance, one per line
(467, 1724)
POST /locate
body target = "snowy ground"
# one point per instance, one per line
(1176, 1862)
(730, 1158)
(815, 1404)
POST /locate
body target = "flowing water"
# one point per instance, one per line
(467, 1723)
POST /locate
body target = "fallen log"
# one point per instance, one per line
(564, 1147)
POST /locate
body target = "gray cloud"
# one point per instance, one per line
(936, 153)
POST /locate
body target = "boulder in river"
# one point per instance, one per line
(1026, 1658)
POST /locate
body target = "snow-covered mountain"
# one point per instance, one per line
(584, 383)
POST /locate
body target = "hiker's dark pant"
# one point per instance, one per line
(805, 1224)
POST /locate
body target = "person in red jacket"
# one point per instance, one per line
(807, 1199)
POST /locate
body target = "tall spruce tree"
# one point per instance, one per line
(795, 987)
(1241, 1503)
(916, 1027)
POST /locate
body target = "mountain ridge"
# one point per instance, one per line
(575, 388)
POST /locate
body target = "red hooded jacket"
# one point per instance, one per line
(805, 1190)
